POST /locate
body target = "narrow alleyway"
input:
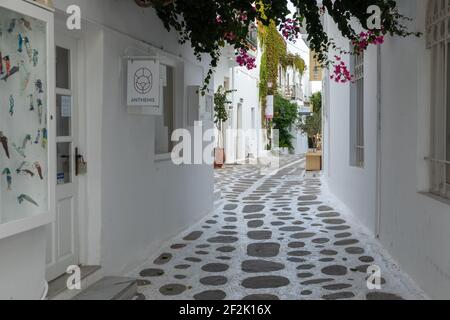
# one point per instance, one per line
(272, 237)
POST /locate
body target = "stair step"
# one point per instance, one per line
(110, 288)
(57, 289)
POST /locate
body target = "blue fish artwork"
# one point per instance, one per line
(38, 137)
(7, 172)
(35, 57)
(12, 25)
(11, 105)
(20, 40)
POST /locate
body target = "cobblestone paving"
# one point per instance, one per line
(273, 237)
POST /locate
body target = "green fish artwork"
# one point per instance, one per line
(22, 165)
(25, 74)
(11, 105)
(4, 142)
(35, 57)
(7, 172)
(12, 25)
(24, 197)
(28, 48)
(25, 141)
(19, 150)
(38, 137)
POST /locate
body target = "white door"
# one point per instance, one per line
(62, 235)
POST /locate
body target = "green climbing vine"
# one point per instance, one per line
(274, 55)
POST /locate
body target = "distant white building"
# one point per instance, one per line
(387, 143)
(241, 135)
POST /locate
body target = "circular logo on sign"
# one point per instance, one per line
(143, 80)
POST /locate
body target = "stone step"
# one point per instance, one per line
(110, 288)
(57, 289)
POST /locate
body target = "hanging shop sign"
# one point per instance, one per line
(143, 83)
(269, 107)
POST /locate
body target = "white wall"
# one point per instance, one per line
(415, 228)
(22, 265)
(346, 181)
(143, 203)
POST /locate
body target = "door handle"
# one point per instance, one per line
(77, 161)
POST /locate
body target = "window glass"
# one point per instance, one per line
(165, 123)
(23, 117)
(64, 162)
(62, 68)
(63, 115)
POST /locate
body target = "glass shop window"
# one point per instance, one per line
(23, 117)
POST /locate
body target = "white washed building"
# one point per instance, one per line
(242, 135)
(387, 145)
(132, 198)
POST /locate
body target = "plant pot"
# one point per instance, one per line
(219, 157)
(314, 161)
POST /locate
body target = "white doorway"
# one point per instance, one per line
(63, 233)
(239, 135)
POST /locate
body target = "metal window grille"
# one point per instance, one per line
(438, 41)
(358, 131)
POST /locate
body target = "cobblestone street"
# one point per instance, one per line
(272, 237)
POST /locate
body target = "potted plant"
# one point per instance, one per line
(221, 103)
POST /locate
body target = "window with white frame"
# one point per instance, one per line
(438, 41)
(357, 147)
(165, 123)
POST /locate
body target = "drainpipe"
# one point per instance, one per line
(378, 175)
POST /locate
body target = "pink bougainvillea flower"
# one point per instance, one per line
(290, 30)
(245, 60)
(340, 73)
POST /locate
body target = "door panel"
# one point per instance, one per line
(62, 235)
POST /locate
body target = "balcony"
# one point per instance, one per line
(291, 92)
(252, 37)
